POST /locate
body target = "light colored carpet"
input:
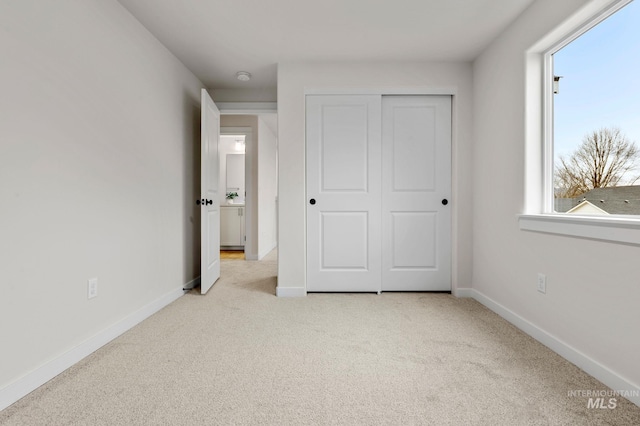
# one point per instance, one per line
(239, 355)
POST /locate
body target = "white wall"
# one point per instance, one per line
(99, 141)
(293, 79)
(593, 289)
(267, 188)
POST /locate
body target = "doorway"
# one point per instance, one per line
(258, 212)
(235, 178)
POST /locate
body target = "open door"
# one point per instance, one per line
(210, 198)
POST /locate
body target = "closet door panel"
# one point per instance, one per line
(343, 185)
(416, 178)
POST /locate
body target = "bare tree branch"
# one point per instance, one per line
(604, 158)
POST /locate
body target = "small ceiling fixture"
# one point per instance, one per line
(243, 76)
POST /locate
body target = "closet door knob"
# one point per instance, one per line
(445, 202)
(312, 201)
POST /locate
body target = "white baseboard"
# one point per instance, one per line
(192, 284)
(31, 381)
(463, 292)
(291, 292)
(267, 251)
(573, 355)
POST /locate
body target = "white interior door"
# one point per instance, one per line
(210, 198)
(343, 193)
(378, 191)
(416, 190)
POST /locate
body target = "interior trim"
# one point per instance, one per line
(247, 108)
(291, 291)
(615, 229)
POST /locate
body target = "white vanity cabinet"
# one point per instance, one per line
(232, 226)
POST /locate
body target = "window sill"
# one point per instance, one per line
(618, 229)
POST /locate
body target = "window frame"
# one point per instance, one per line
(539, 215)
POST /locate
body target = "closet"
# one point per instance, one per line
(378, 187)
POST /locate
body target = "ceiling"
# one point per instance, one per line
(217, 38)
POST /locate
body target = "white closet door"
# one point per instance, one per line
(416, 190)
(343, 160)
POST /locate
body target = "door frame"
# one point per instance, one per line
(405, 91)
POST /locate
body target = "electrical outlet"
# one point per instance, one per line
(542, 283)
(92, 288)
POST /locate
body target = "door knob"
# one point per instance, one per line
(445, 202)
(204, 201)
(312, 201)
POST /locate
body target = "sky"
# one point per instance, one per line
(600, 85)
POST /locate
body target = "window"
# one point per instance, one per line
(591, 62)
(594, 128)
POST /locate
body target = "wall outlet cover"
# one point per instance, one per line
(542, 283)
(92, 288)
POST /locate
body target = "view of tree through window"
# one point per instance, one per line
(596, 118)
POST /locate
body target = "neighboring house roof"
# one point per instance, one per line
(612, 200)
(562, 205)
(585, 207)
